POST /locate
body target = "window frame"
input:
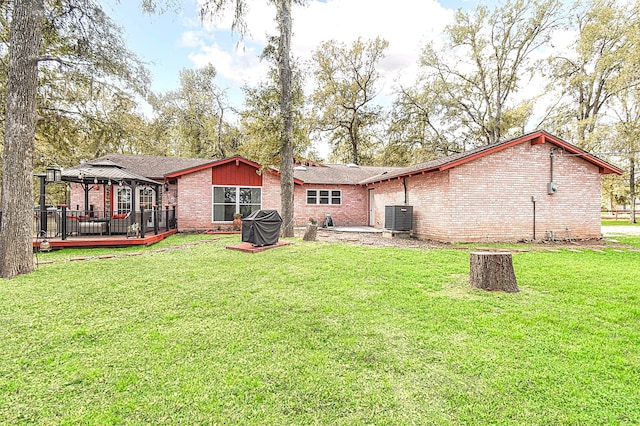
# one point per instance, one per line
(318, 197)
(237, 202)
(120, 204)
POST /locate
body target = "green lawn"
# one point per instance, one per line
(619, 222)
(319, 333)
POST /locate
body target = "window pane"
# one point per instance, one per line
(218, 194)
(324, 193)
(218, 213)
(223, 212)
(336, 197)
(312, 196)
(230, 199)
(250, 195)
(247, 209)
(324, 200)
(123, 200)
(229, 211)
(146, 197)
(224, 194)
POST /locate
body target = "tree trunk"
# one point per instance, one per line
(284, 77)
(632, 190)
(311, 233)
(493, 271)
(16, 234)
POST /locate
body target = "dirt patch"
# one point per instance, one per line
(377, 240)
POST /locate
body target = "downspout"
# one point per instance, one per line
(404, 184)
(551, 165)
(552, 187)
(533, 200)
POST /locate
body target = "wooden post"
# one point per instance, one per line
(493, 272)
(311, 232)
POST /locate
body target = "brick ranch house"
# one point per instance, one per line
(525, 188)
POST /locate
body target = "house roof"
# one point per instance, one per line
(151, 166)
(536, 138)
(312, 173)
(209, 164)
(338, 174)
(159, 168)
(102, 171)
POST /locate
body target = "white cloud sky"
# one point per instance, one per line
(173, 42)
(406, 24)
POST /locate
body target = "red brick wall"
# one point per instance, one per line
(489, 199)
(270, 191)
(96, 198)
(194, 195)
(354, 209)
(195, 201)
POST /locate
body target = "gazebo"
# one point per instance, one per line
(100, 176)
(106, 172)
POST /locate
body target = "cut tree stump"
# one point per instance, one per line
(311, 233)
(493, 272)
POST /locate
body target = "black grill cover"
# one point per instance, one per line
(261, 228)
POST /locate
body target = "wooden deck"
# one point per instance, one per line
(89, 241)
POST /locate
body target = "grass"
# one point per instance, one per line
(619, 222)
(320, 333)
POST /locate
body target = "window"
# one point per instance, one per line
(123, 200)
(228, 200)
(324, 196)
(146, 197)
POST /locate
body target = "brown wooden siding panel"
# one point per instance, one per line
(235, 174)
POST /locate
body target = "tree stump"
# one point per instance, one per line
(493, 272)
(311, 233)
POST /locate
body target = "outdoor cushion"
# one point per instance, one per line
(120, 215)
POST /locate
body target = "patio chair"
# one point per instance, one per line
(119, 223)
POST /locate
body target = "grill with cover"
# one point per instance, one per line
(261, 228)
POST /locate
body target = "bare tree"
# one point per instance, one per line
(485, 58)
(347, 78)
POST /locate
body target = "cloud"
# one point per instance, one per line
(406, 24)
(237, 67)
(191, 39)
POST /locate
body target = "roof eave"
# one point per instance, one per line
(238, 159)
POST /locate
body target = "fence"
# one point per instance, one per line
(620, 214)
(64, 223)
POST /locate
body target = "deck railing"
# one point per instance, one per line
(65, 223)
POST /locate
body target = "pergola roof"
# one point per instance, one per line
(153, 166)
(102, 171)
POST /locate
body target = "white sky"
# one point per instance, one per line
(175, 41)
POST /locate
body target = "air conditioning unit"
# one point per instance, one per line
(398, 218)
